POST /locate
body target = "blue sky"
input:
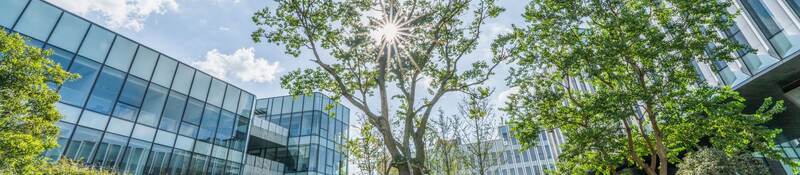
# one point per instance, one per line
(214, 35)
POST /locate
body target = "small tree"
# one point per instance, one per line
(480, 137)
(27, 105)
(616, 77)
(365, 150)
(710, 161)
(447, 155)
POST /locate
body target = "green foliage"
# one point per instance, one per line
(709, 161)
(645, 105)
(27, 105)
(71, 167)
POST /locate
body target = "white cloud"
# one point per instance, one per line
(502, 98)
(129, 14)
(241, 64)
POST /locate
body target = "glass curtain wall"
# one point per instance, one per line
(133, 110)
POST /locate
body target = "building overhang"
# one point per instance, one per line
(775, 82)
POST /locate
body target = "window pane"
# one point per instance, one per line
(159, 158)
(225, 131)
(188, 130)
(105, 93)
(110, 151)
(245, 104)
(69, 32)
(153, 104)
(241, 134)
(10, 10)
(70, 114)
(200, 86)
(62, 57)
(95, 45)
(198, 164)
(121, 54)
(75, 91)
(135, 157)
(133, 91)
(65, 130)
(194, 111)
(144, 63)
(306, 125)
(165, 69)
(231, 98)
(180, 162)
(144, 132)
(209, 124)
(120, 127)
(215, 94)
(762, 17)
(183, 79)
(38, 20)
(173, 111)
(83, 143)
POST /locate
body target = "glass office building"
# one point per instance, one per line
(315, 135)
(134, 110)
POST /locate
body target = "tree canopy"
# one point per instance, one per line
(616, 77)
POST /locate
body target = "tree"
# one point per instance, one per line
(616, 77)
(27, 105)
(447, 156)
(366, 151)
(716, 162)
(378, 62)
(480, 140)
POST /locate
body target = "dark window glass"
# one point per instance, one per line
(135, 157)
(209, 124)
(217, 166)
(121, 54)
(153, 105)
(216, 93)
(305, 128)
(200, 86)
(231, 98)
(83, 143)
(246, 104)
(762, 17)
(198, 164)
(38, 20)
(294, 126)
(165, 69)
(180, 162)
(105, 93)
(95, 45)
(69, 32)
(144, 63)
(194, 111)
(133, 92)
(62, 57)
(241, 133)
(173, 111)
(109, 154)
(183, 79)
(158, 160)
(795, 4)
(225, 130)
(74, 92)
(10, 10)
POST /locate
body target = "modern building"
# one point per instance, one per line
(317, 130)
(513, 160)
(137, 111)
(772, 29)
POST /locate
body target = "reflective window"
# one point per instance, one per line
(225, 130)
(217, 166)
(105, 93)
(194, 111)
(200, 85)
(135, 157)
(241, 134)
(131, 98)
(795, 5)
(245, 104)
(110, 151)
(165, 69)
(83, 143)
(120, 127)
(65, 130)
(159, 158)
(38, 20)
(215, 94)
(233, 168)
(188, 130)
(276, 105)
(153, 105)
(62, 57)
(198, 164)
(183, 79)
(180, 162)
(305, 128)
(69, 32)
(121, 54)
(70, 114)
(173, 111)
(95, 45)
(10, 10)
(143, 132)
(231, 98)
(144, 63)
(287, 104)
(74, 92)
(209, 124)
(93, 120)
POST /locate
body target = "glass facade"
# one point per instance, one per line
(134, 110)
(315, 134)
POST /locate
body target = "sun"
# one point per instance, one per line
(391, 30)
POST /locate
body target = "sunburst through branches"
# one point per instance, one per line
(391, 30)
